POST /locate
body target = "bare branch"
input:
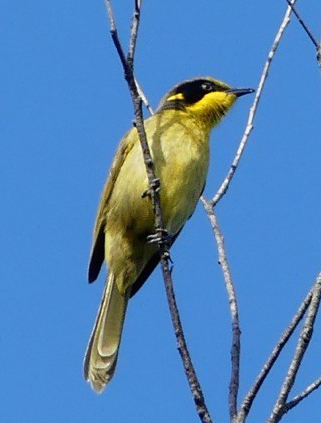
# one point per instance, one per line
(134, 32)
(114, 34)
(144, 98)
(248, 400)
(280, 407)
(183, 350)
(236, 344)
(298, 398)
(310, 35)
(154, 185)
(249, 126)
(209, 208)
(139, 123)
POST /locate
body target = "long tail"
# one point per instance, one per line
(101, 355)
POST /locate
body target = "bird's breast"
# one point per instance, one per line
(182, 165)
(181, 157)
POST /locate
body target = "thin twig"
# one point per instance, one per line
(304, 339)
(236, 332)
(209, 208)
(309, 33)
(249, 126)
(139, 122)
(144, 98)
(128, 66)
(114, 35)
(193, 382)
(250, 396)
(298, 398)
(134, 32)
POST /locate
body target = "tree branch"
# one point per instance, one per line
(248, 400)
(114, 35)
(309, 33)
(154, 185)
(236, 332)
(134, 32)
(281, 407)
(209, 208)
(144, 98)
(249, 126)
(315, 385)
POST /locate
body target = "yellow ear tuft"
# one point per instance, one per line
(178, 96)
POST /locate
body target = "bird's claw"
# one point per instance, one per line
(154, 185)
(164, 240)
(161, 237)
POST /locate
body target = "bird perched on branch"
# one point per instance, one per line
(178, 137)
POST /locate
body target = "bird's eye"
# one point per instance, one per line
(207, 86)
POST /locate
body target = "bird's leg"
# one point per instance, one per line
(154, 185)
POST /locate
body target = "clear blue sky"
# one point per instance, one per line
(64, 107)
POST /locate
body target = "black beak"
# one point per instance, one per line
(238, 92)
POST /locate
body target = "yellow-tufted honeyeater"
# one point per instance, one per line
(178, 136)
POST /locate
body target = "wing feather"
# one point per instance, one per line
(97, 253)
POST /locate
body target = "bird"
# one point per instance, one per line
(178, 136)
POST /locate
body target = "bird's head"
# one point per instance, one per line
(205, 99)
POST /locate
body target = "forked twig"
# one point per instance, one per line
(281, 407)
(298, 398)
(209, 208)
(144, 98)
(128, 66)
(309, 33)
(250, 396)
(249, 126)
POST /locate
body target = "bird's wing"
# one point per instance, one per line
(98, 246)
(148, 269)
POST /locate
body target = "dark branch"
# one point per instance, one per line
(134, 32)
(128, 66)
(182, 347)
(310, 35)
(114, 35)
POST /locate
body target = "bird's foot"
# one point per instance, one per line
(161, 237)
(154, 185)
(163, 240)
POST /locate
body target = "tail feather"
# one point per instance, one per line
(102, 351)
